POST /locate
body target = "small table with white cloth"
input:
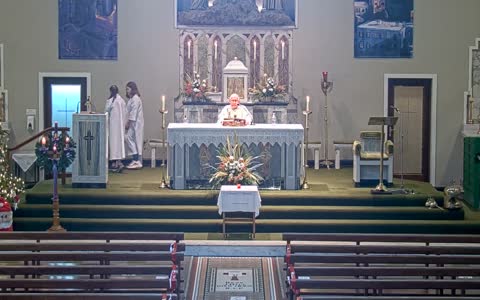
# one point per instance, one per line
(234, 199)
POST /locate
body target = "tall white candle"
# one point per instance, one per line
(189, 45)
(308, 104)
(163, 102)
(254, 50)
(215, 49)
(283, 50)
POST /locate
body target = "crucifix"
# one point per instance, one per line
(89, 138)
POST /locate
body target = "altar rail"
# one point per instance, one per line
(91, 265)
(380, 266)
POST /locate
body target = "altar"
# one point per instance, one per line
(193, 150)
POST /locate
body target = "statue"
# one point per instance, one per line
(273, 4)
(199, 5)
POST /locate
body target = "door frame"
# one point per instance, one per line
(433, 114)
(41, 77)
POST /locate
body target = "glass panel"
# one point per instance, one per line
(65, 102)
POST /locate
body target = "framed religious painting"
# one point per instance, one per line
(4, 109)
(383, 29)
(251, 13)
(1, 68)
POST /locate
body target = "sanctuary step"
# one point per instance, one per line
(133, 201)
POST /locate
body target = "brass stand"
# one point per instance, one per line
(327, 87)
(163, 184)
(54, 155)
(305, 185)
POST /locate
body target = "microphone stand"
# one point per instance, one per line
(401, 190)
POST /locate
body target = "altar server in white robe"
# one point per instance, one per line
(117, 115)
(235, 110)
(134, 127)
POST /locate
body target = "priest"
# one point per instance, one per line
(235, 111)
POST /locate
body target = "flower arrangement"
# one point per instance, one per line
(195, 90)
(10, 186)
(270, 91)
(236, 166)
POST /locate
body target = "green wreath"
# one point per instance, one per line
(67, 155)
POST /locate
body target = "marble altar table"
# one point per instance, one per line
(193, 150)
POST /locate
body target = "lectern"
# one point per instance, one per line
(90, 167)
(381, 121)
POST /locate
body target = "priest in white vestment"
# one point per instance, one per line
(235, 110)
(116, 109)
(134, 127)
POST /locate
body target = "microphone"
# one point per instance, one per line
(395, 108)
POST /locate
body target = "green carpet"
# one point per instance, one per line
(134, 201)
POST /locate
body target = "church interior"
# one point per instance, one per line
(356, 140)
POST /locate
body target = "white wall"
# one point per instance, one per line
(148, 54)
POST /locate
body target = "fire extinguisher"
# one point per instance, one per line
(6, 215)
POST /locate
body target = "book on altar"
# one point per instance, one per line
(234, 122)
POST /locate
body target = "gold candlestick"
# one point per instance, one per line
(163, 184)
(327, 87)
(305, 185)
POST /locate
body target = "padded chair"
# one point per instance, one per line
(366, 160)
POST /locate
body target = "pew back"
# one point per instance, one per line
(91, 265)
(320, 266)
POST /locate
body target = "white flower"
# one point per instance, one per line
(264, 91)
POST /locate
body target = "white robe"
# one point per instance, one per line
(117, 116)
(134, 140)
(240, 113)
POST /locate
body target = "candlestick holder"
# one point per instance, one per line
(326, 87)
(163, 184)
(54, 150)
(305, 185)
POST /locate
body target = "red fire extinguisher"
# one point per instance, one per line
(6, 215)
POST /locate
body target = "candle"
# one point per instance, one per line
(215, 49)
(44, 141)
(283, 50)
(163, 102)
(308, 104)
(54, 148)
(254, 50)
(325, 76)
(67, 140)
(189, 44)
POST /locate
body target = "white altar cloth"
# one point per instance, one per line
(24, 160)
(243, 199)
(208, 133)
(182, 136)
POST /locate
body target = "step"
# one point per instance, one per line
(263, 226)
(201, 198)
(266, 212)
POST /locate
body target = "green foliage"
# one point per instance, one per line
(235, 166)
(67, 154)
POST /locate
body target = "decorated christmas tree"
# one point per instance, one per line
(10, 186)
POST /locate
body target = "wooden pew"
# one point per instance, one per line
(91, 265)
(391, 266)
